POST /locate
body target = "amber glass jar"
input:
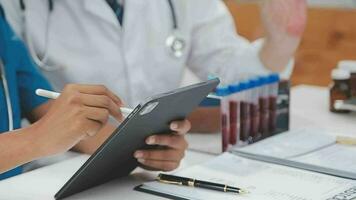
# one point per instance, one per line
(340, 89)
(350, 66)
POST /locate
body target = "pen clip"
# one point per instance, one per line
(169, 182)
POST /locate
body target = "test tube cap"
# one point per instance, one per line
(244, 85)
(273, 78)
(263, 80)
(222, 91)
(255, 82)
(234, 88)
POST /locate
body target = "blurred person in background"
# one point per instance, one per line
(139, 48)
(57, 126)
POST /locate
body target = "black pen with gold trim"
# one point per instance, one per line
(177, 180)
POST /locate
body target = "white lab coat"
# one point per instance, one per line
(90, 46)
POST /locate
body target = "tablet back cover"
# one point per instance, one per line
(115, 156)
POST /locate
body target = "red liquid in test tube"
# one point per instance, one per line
(272, 125)
(273, 94)
(255, 111)
(245, 119)
(264, 107)
(224, 132)
(234, 110)
(223, 92)
(235, 113)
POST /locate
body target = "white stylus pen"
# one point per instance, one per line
(55, 95)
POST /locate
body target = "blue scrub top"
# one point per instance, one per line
(23, 79)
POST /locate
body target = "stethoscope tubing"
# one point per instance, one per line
(7, 97)
(171, 41)
(174, 15)
(42, 63)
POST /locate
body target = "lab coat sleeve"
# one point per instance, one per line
(216, 48)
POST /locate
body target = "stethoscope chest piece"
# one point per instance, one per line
(176, 44)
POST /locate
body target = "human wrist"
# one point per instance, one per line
(20, 148)
(32, 140)
(276, 54)
(282, 45)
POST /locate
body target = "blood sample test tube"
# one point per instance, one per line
(224, 92)
(264, 106)
(273, 94)
(234, 103)
(254, 110)
(245, 119)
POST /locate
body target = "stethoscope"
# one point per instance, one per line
(175, 43)
(7, 96)
(41, 62)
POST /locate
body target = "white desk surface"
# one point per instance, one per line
(43, 183)
(309, 107)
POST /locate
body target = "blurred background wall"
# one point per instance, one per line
(333, 3)
(330, 36)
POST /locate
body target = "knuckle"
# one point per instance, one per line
(106, 101)
(105, 113)
(74, 98)
(147, 154)
(168, 140)
(158, 139)
(104, 121)
(80, 110)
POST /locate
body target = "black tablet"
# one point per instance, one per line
(115, 158)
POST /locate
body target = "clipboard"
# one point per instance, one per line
(160, 194)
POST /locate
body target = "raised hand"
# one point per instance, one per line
(284, 17)
(284, 23)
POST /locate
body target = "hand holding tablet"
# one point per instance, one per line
(116, 156)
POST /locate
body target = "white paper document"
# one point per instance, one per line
(309, 149)
(337, 156)
(291, 143)
(264, 182)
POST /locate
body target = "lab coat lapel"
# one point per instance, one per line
(133, 18)
(102, 10)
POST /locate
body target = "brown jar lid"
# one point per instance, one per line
(340, 74)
